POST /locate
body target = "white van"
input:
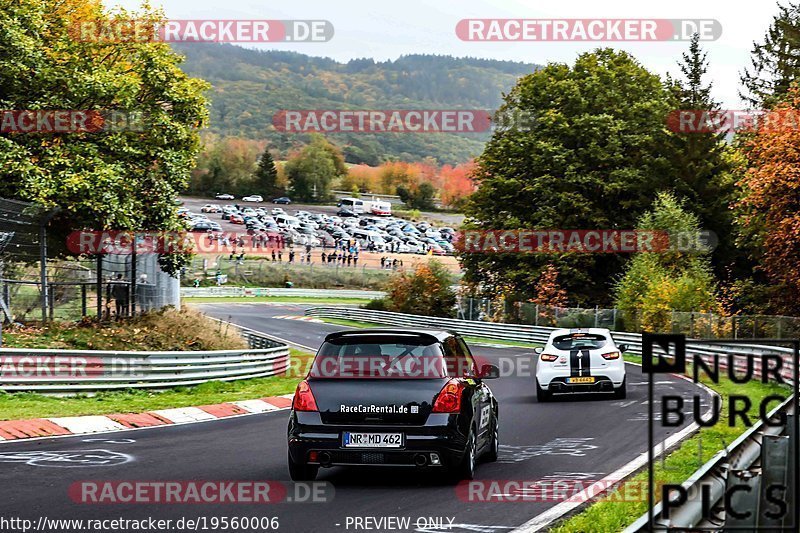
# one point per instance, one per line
(366, 237)
(287, 221)
(380, 208)
(353, 204)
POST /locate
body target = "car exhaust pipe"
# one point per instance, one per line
(420, 459)
(325, 459)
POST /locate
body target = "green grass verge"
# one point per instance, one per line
(276, 299)
(14, 406)
(613, 514)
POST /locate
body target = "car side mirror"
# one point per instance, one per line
(489, 372)
(538, 350)
(623, 348)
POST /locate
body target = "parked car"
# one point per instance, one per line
(224, 197)
(253, 198)
(345, 213)
(211, 208)
(282, 200)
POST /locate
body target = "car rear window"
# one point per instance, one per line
(368, 357)
(579, 341)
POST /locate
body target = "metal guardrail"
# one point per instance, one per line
(74, 371)
(204, 292)
(536, 334)
(761, 455)
(762, 445)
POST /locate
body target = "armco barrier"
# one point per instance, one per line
(756, 456)
(534, 334)
(61, 371)
(205, 292)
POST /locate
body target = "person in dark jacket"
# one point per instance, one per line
(119, 291)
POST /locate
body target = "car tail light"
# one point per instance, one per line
(611, 355)
(549, 357)
(449, 398)
(304, 398)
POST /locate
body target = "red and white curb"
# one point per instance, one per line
(83, 425)
(299, 317)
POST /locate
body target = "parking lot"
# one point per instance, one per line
(299, 232)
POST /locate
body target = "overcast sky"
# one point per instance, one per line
(386, 30)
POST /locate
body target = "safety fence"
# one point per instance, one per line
(222, 270)
(690, 323)
(80, 371)
(233, 292)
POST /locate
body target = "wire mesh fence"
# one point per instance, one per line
(692, 324)
(39, 284)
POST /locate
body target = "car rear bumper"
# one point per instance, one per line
(439, 443)
(554, 379)
(601, 384)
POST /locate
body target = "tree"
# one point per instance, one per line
(426, 291)
(226, 165)
(703, 160)
(769, 211)
(656, 283)
(547, 290)
(124, 179)
(417, 197)
(457, 184)
(311, 172)
(265, 178)
(775, 62)
(595, 156)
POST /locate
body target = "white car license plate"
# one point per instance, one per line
(372, 440)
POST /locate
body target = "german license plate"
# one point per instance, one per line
(372, 440)
(580, 380)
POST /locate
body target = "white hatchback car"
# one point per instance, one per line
(580, 360)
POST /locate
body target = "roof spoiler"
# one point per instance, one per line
(362, 332)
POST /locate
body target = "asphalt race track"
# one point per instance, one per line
(578, 438)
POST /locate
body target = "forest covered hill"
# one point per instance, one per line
(251, 86)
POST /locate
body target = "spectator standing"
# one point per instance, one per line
(119, 291)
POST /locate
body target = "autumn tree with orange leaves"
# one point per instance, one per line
(770, 204)
(425, 291)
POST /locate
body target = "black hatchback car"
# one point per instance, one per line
(393, 398)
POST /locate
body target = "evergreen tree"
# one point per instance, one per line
(775, 62)
(702, 161)
(265, 178)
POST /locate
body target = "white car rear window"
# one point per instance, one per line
(580, 341)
